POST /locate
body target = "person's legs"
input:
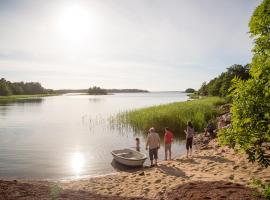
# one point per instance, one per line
(212, 134)
(155, 155)
(151, 156)
(190, 146)
(187, 146)
(166, 151)
(170, 152)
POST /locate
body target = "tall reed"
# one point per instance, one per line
(173, 115)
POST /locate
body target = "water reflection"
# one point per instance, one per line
(96, 100)
(77, 163)
(69, 136)
(21, 101)
(7, 105)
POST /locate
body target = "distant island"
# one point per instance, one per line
(189, 90)
(100, 91)
(12, 89)
(126, 91)
(64, 91)
(97, 91)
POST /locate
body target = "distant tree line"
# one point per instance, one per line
(126, 91)
(220, 85)
(100, 91)
(21, 88)
(64, 91)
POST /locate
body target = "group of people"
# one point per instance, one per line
(153, 143)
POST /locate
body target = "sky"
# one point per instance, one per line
(156, 45)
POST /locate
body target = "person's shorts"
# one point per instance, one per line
(168, 147)
(189, 143)
(153, 153)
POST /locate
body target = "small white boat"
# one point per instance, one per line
(129, 157)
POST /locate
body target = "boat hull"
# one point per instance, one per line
(136, 159)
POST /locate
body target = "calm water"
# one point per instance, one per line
(69, 136)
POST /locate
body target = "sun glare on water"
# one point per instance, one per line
(77, 163)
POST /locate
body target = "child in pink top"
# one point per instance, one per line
(168, 138)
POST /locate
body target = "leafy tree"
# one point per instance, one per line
(33, 88)
(250, 129)
(220, 85)
(4, 89)
(189, 90)
(17, 88)
(96, 91)
(203, 90)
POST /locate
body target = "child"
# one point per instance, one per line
(137, 144)
(168, 138)
(189, 137)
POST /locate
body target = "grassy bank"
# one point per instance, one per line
(174, 115)
(19, 97)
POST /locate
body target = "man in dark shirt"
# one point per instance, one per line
(210, 129)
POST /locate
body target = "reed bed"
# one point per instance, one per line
(173, 115)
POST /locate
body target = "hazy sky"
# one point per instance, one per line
(146, 44)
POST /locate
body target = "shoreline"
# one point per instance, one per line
(212, 168)
(24, 96)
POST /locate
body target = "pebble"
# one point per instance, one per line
(158, 181)
(141, 174)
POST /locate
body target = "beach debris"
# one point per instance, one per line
(142, 174)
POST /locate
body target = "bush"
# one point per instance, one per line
(250, 129)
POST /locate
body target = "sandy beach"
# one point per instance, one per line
(212, 173)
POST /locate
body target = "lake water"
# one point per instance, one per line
(69, 136)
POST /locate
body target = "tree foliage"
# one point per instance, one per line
(250, 129)
(96, 91)
(189, 90)
(220, 85)
(8, 88)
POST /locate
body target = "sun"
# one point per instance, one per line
(74, 22)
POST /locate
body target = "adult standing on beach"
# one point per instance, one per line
(153, 141)
(189, 138)
(168, 138)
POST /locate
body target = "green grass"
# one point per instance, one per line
(262, 188)
(173, 115)
(19, 97)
